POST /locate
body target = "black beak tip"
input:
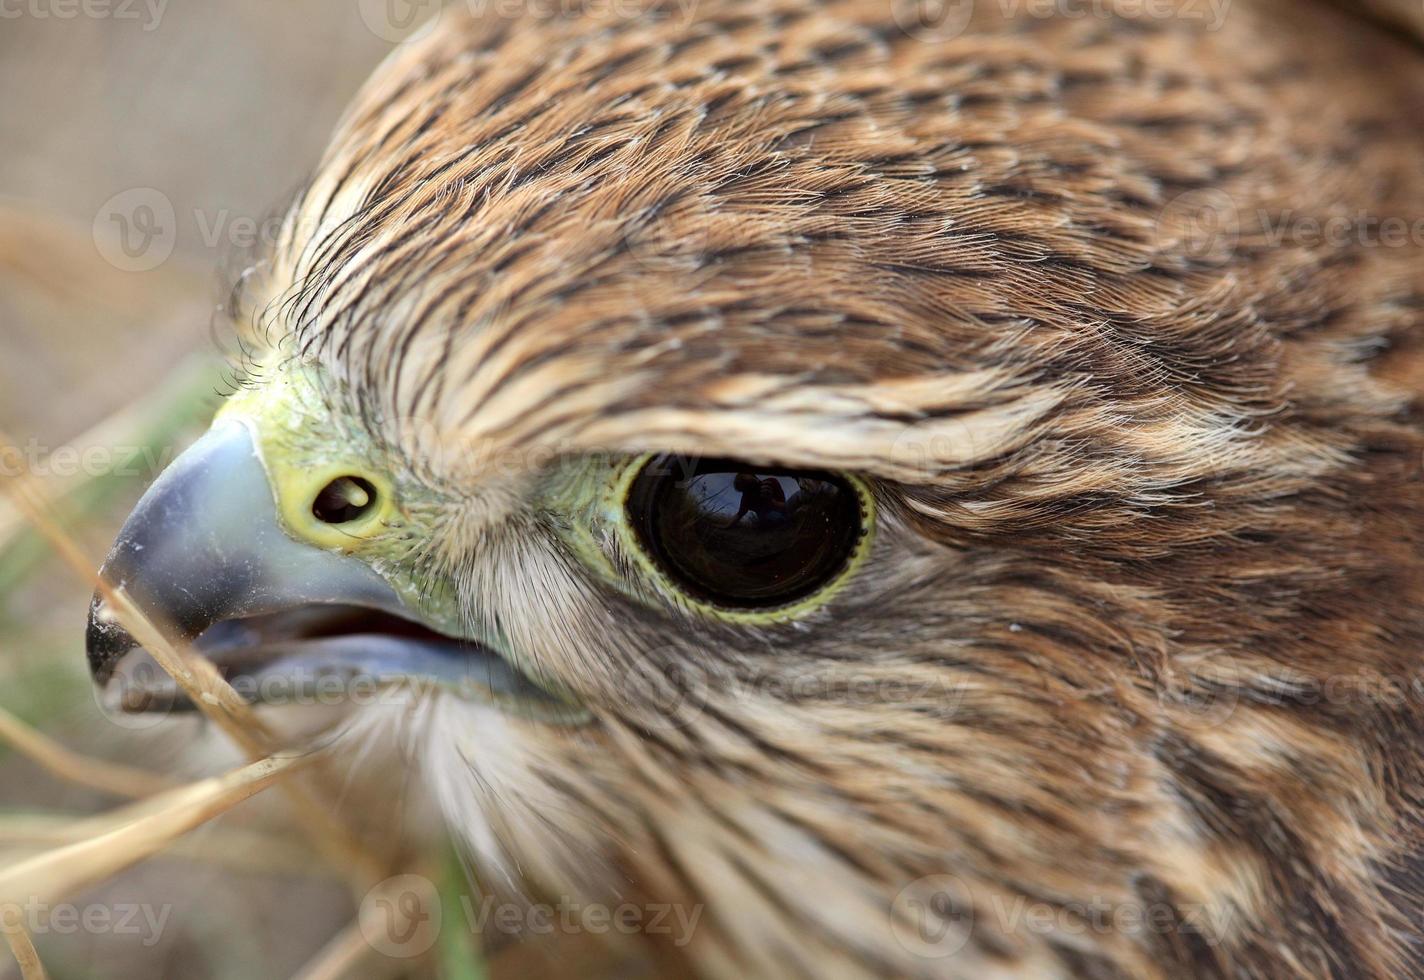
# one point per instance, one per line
(105, 641)
(205, 544)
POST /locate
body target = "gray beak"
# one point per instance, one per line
(204, 545)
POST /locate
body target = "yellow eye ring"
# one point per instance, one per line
(742, 542)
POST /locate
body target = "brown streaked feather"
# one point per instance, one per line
(1125, 472)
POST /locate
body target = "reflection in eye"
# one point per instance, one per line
(763, 496)
(735, 535)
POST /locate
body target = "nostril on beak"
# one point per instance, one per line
(343, 500)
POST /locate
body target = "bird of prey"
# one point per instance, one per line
(940, 495)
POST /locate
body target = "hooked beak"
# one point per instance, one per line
(205, 556)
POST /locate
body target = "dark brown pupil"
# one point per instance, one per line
(734, 534)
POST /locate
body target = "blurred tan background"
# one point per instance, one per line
(218, 108)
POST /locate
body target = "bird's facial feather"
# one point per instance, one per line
(526, 559)
(1133, 502)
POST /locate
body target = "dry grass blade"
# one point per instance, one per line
(23, 948)
(198, 678)
(339, 957)
(207, 689)
(134, 832)
(108, 777)
(384, 925)
(236, 849)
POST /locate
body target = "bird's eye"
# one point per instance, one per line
(734, 535)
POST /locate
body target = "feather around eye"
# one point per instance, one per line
(735, 536)
(1045, 283)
